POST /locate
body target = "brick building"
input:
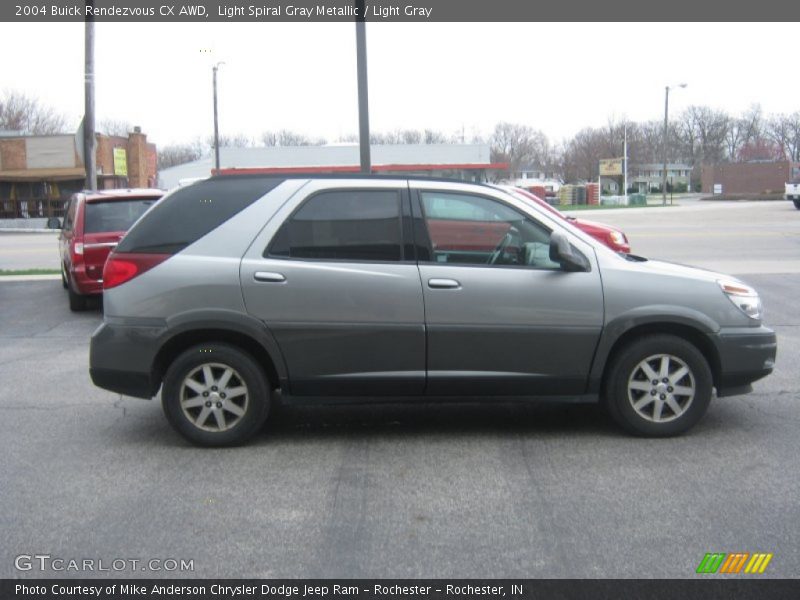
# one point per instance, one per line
(38, 173)
(748, 178)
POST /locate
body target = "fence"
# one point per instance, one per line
(32, 208)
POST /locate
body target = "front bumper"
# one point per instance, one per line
(746, 355)
(122, 358)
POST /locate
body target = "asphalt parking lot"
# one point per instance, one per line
(469, 490)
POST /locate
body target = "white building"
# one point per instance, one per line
(469, 162)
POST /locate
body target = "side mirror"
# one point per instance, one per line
(562, 252)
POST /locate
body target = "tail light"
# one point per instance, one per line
(124, 267)
(77, 252)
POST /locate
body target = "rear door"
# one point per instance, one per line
(502, 319)
(330, 277)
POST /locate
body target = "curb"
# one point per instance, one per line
(23, 230)
(5, 278)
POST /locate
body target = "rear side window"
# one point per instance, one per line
(189, 213)
(358, 225)
(114, 215)
(69, 220)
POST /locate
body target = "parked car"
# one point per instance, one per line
(94, 223)
(610, 236)
(370, 289)
(793, 192)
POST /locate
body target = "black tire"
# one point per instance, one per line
(77, 302)
(796, 204)
(628, 369)
(64, 283)
(219, 357)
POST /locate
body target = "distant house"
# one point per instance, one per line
(647, 178)
(469, 162)
(535, 176)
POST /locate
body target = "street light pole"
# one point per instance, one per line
(666, 143)
(216, 120)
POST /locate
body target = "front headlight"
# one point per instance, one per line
(743, 297)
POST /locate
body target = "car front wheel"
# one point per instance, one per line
(215, 395)
(658, 386)
(796, 204)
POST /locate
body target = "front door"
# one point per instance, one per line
(501, 317)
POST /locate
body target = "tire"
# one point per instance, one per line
(658, 410)
(796, 204)
(77, 302)
(205, 412)
(64, 283)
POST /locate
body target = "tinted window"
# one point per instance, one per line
(343, 225)
(475, 230)
(189, 213)
(114, 215)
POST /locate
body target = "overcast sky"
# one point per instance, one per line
(445, 76)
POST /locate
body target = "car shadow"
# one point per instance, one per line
(488, 417)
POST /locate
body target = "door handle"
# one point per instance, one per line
(443, 284)
(269, 277)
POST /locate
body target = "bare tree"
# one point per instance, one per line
(701, 133)
(237, 140)
(398, 136)
(744, 130)
(269, 138)
(27, 115)
(114, 127)
(431, 136)
(644, 142)
(286, 137)
(784, 131)
(519, 145)
(178, 154)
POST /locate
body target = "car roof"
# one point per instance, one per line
(120, 194)
(345, 176)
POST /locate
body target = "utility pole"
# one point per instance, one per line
(89, 153)
(666, 143)
(363, 91)
(625, 162)
(216, 118)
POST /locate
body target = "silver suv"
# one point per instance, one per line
(371, 288)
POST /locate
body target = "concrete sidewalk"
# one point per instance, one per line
(10, 278)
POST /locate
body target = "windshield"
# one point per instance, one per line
(115, 215)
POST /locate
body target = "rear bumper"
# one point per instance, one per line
(746, 355)
(83, 284)
(121, 358)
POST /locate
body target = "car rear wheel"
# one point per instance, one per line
(796, 204)
(658, 386)
(77, 302)
(215, 395)
(64, 283)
